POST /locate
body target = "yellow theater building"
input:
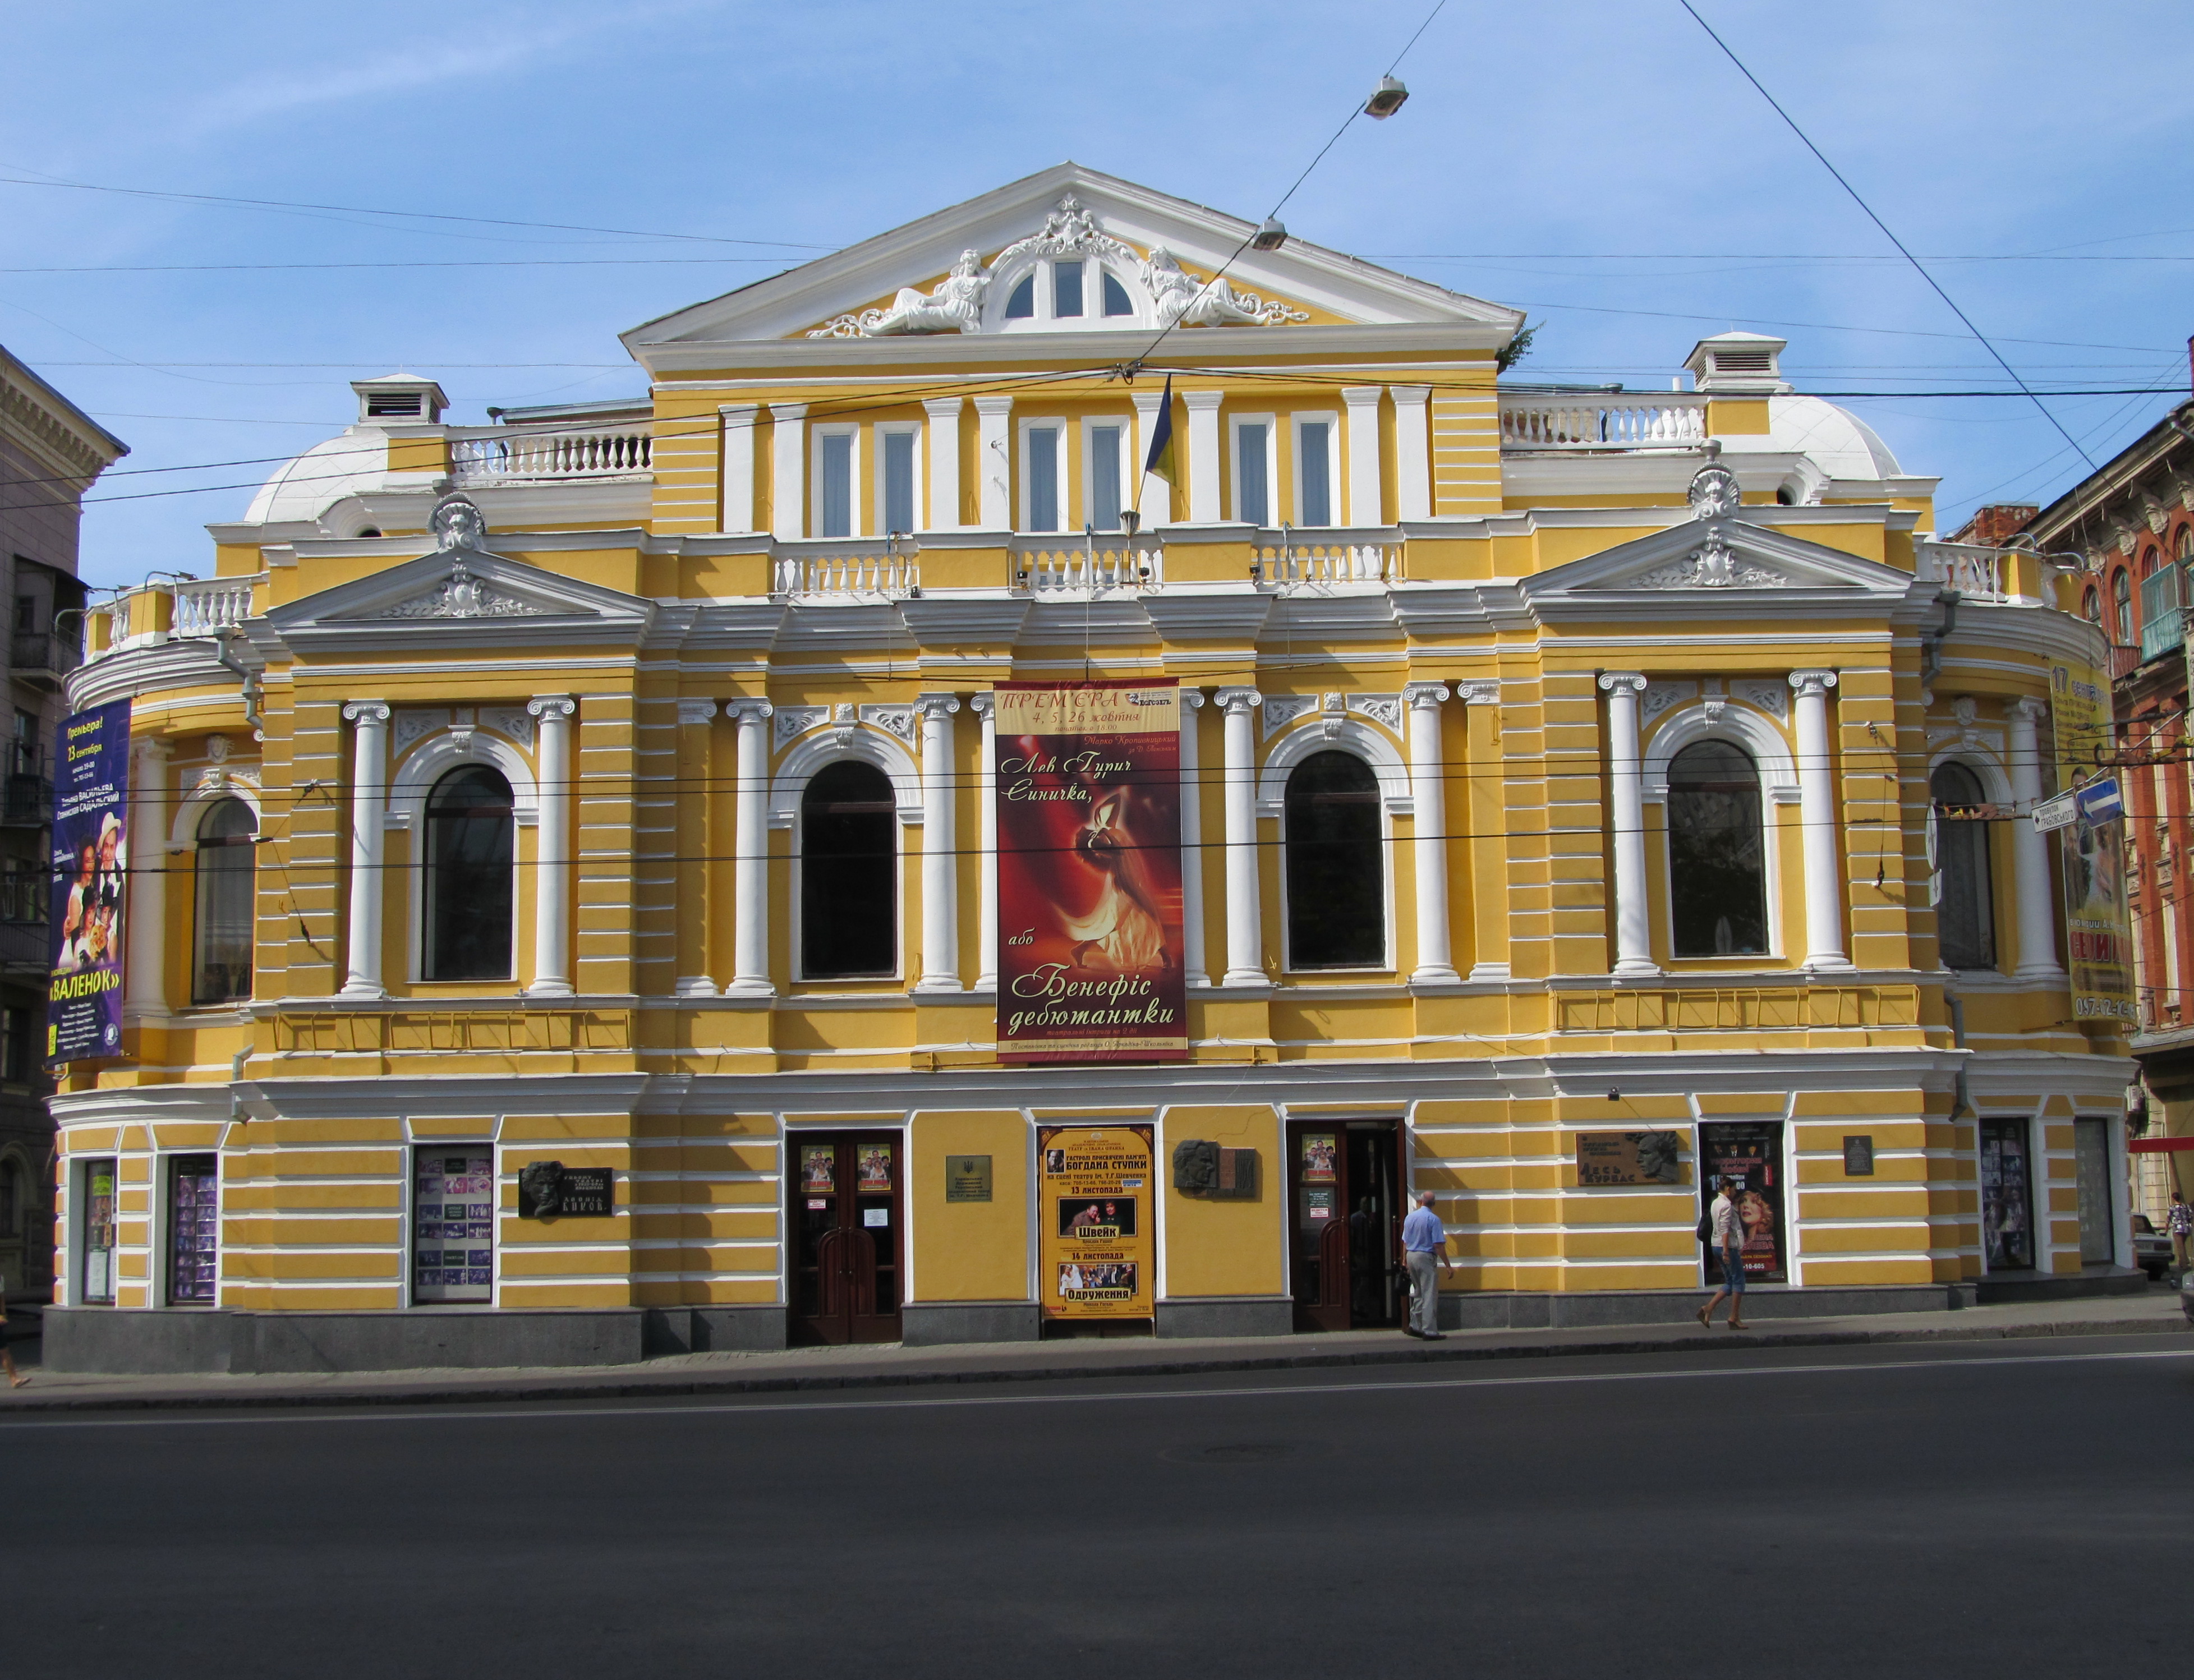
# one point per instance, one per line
(564, 919)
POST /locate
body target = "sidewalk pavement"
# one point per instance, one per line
(809, 1369)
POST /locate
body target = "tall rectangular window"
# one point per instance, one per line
(1041, 466)
(1314, 471)
(193, 1229)
(898, 481)
(836, 456)
(19, 1045)
(95, 1265)
(1065, 289)
(1252, 488)
(1104, 477)
(452, 1223)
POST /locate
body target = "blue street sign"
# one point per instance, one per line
(2100, 801)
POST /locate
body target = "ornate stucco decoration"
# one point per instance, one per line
(1180, 299)
(956, 306)
(1715, 499)
(460, 530)
(1069, 230)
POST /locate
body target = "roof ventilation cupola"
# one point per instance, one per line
(1739, 364)
(398, 399)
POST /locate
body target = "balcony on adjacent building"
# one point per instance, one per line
(2162, 613)
(42, 658)
(26, 800)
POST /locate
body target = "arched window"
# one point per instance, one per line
(848, 874)
(2185, 549)
(11, 1198)
(2121, 607)
(220, 949)
(1336, 865)
(1965, 914)
(1717, 878)
(2148, 563)
(467, 849)
(2091, 605)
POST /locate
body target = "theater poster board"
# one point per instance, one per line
(2098, 925)
(1096, 1220)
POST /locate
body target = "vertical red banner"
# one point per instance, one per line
(1089, 929)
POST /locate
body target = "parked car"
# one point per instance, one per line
(2151, 1248)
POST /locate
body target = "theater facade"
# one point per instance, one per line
(834, 850)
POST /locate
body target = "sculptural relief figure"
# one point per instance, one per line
(956, 306)
(456, 524)
(1180, 299)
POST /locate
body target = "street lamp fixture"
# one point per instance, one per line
(1386, 98)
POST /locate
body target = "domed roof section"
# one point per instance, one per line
(307, 487)
(1838, 442)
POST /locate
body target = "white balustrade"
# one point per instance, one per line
(1059, 569)
(856, 573)
(1968, 568)
(493, 454)
(216, 604)
(1332, 562)
(1531, 422)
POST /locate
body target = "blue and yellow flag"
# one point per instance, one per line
(1161, 461)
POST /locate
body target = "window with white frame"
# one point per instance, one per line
(1335, 857)
(1042, 477)
(1104, 471)
(1717, 853)
(1254, 466)
(897, 473)
(1318, 469)
(1066, 292)
(468, 900)
(836, 448)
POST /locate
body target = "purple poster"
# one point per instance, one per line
(91, 854)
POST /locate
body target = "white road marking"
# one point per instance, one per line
(669, 1406)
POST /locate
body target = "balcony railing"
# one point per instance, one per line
(25, 947)
(40, 657)
(1972, 569)
(866, 572)
(2162, 612)
(199, 608)
(27, 801)
(1337, 561)
(494, 455)
(1535, 420)
(216, 604)
(1052, 566)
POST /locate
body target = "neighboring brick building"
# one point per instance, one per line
(50, 452)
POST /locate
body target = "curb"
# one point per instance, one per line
(675, 1387)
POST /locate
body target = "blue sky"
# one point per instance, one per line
(1595, 161)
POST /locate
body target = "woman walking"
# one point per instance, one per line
(1728, 1237)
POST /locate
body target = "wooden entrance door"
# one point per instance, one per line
(844, 1216)
(1345, 1183)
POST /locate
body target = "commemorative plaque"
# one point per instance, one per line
(548, 1190)
(966, 1177)
(1630, 1158)
(1859, 1157)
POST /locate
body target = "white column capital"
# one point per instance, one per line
(737, 411)
(934, 708)
(153, 749)
(1239, 702)
(983, 705)
(1412, 394)
(1813, 682)
(697, 711)
(365, 711)
(781, 411)
(1193, 698)
(1480, 693)
(741, 710)
(1202, 402)
(552, 706)
(1362, 396)
(1610, 681)
(1425, 696)
(942, 408)
(994, 405)
(2027, 709)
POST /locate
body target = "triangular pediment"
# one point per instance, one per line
(1147, 241)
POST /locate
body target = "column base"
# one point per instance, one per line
(1246, 977)
(549, 989)
(362, 988)
(934, 987)
(1829, 965)
(694, 985)
(1490, 971)
(1431, 973)
(750, 986)
(2038, 971)
(1636, 968)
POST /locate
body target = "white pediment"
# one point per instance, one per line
(1159, 249)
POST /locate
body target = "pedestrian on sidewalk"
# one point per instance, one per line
(15, 1379)
(1728, 1237)
(2181, 1221)
(1423, 1238)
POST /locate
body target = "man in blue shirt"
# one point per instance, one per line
(1423, 1238)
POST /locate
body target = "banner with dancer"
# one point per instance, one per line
(91, 858)
(1090, 924)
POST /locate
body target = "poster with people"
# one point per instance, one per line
(1750, 1152)
(2098, 931)
(1090, 916)
(1096, 1250)
(90, 860)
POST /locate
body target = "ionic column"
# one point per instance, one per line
(1428, 793)
(737, 420)
(368, 776)
(1192, 844)
(984, 706)
(2030, 847)
(1245, 931)
(941, 439)
(146, 909)
(1488, 826)
(1363, 401)
(994, 461)
(788, 470)
(1633, 942)
(750, 868)
(1203, 458)
(691, 893)
(940, 906)
(1413, 453)
(552, 853)
(1817, 818)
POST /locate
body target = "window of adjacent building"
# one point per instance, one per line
(1316, 446)
(2121, 607)
(2091, 605)
(220, 955)
(895, 448)
(1116, 301)
(1065, 290)
(452, 1223)
(1253, 470)
(19, 1045)
(193, 1229)
(848, 874)
(1107, 452)
(1335, 859)
(11, 1197)
(834, 482)
(1964, 914)
(1040, 475)
(95, 1273)
(27, 614)
(25, 747)
(468, 848)
(1717, 880)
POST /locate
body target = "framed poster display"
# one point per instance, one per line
(453, 1198)
(193, 1229)
(1751, 1152)
(1095, 1246)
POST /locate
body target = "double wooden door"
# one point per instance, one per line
(845, 1217)
(1346, 1180)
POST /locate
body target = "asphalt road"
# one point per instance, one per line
(1988, 1509)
